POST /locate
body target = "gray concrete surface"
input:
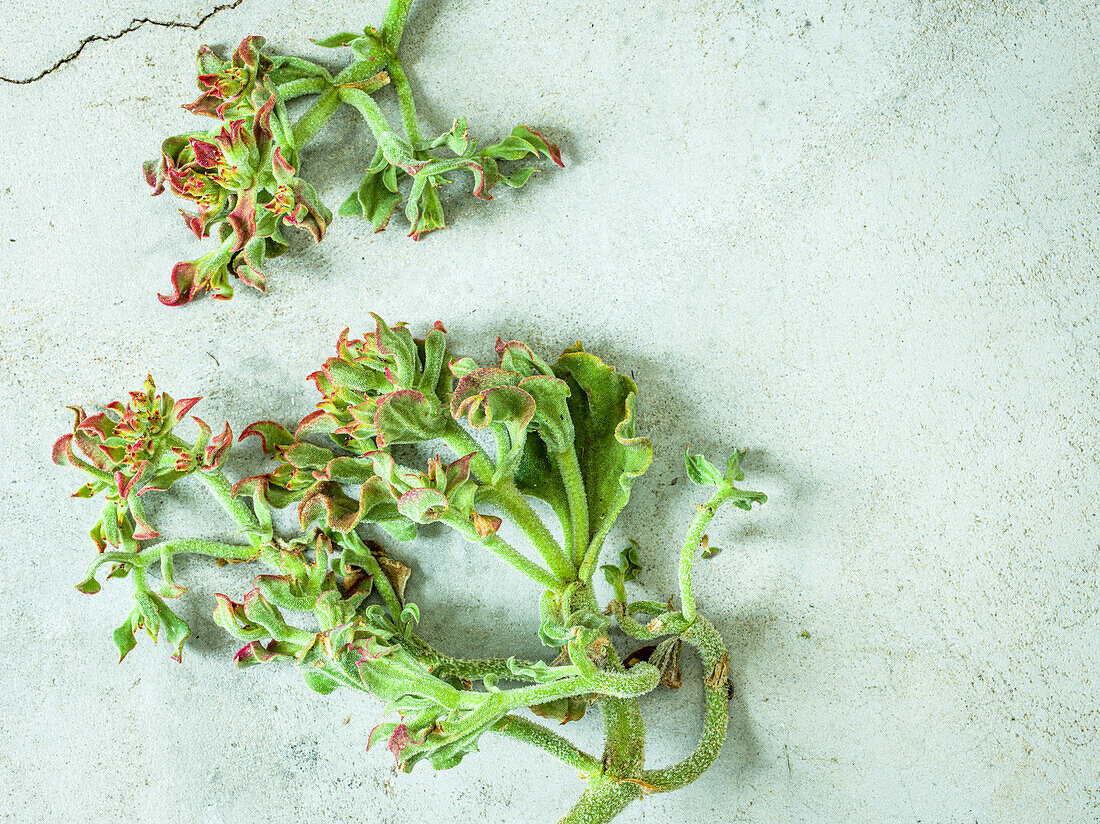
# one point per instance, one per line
(859, 239)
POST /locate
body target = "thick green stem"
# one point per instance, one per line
(220, 487)
(639, 680)
(520, 729)
(712, 650)
(570, 470)
(514, 505)
(393, 26)
(602, 800)
(703, 516)
(216, 482)
(624, 727)
(140, 561)
(365, 105)
(498, 545)
(513, 699)
(366, 559)
(472, 669)
(355, 73)
(628, 625)
(315, 118)
(462, 443)
(405, 99)
(302, 86)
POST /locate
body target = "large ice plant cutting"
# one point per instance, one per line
(563, 433)
(242, 178)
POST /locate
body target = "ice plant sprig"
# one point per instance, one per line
(332, 601)
(243, 176)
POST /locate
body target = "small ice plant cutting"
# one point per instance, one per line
(244, 175)
(563, 433)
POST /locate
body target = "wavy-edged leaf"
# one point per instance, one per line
(407, 416)
(611, 456)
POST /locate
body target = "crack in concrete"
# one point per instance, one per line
(135, 24)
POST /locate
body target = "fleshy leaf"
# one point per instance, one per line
(610, 454)
(701, 472)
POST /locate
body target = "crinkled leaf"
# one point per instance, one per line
(611, 455)
(423, 505)
(407, 416)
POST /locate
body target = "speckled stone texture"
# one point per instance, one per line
(858, 238)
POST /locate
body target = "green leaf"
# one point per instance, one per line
(744, 499)
(399, 152)
(327, 502)
(710, 551)
(631, 565)
(409, 618)
(124, 635)
(89, 586)
(398, 343)
(176, 630)
(611, 456)
(319, 681)
(258, 610)
(351, 207)
(733, 466)
(457, 139)
(538, 672)
(377, 505)
(407, 416)
(423, 209)
(147, 604)
(423, 505)
(628, 569)
(376, 198)
(701, 472)
(536, 476)
(517, 180)
(553, 634)
(304, 455)
(511, 148)
(343, 38)
(462, 367)
(552, 418)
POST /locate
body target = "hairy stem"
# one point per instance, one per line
(365, 105)
(506, 551)
(405, 99)
(520, 729)
(355, 73)
(639, 680)
(473, 669)
(315, 118)
(624, 728)
(302, 86)
(393, 26)
(512, 503)
(216, 482)
(703, 516)
(704, 637)
(462, 443)
(570, 470)
(602, 800)
(366, 559)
